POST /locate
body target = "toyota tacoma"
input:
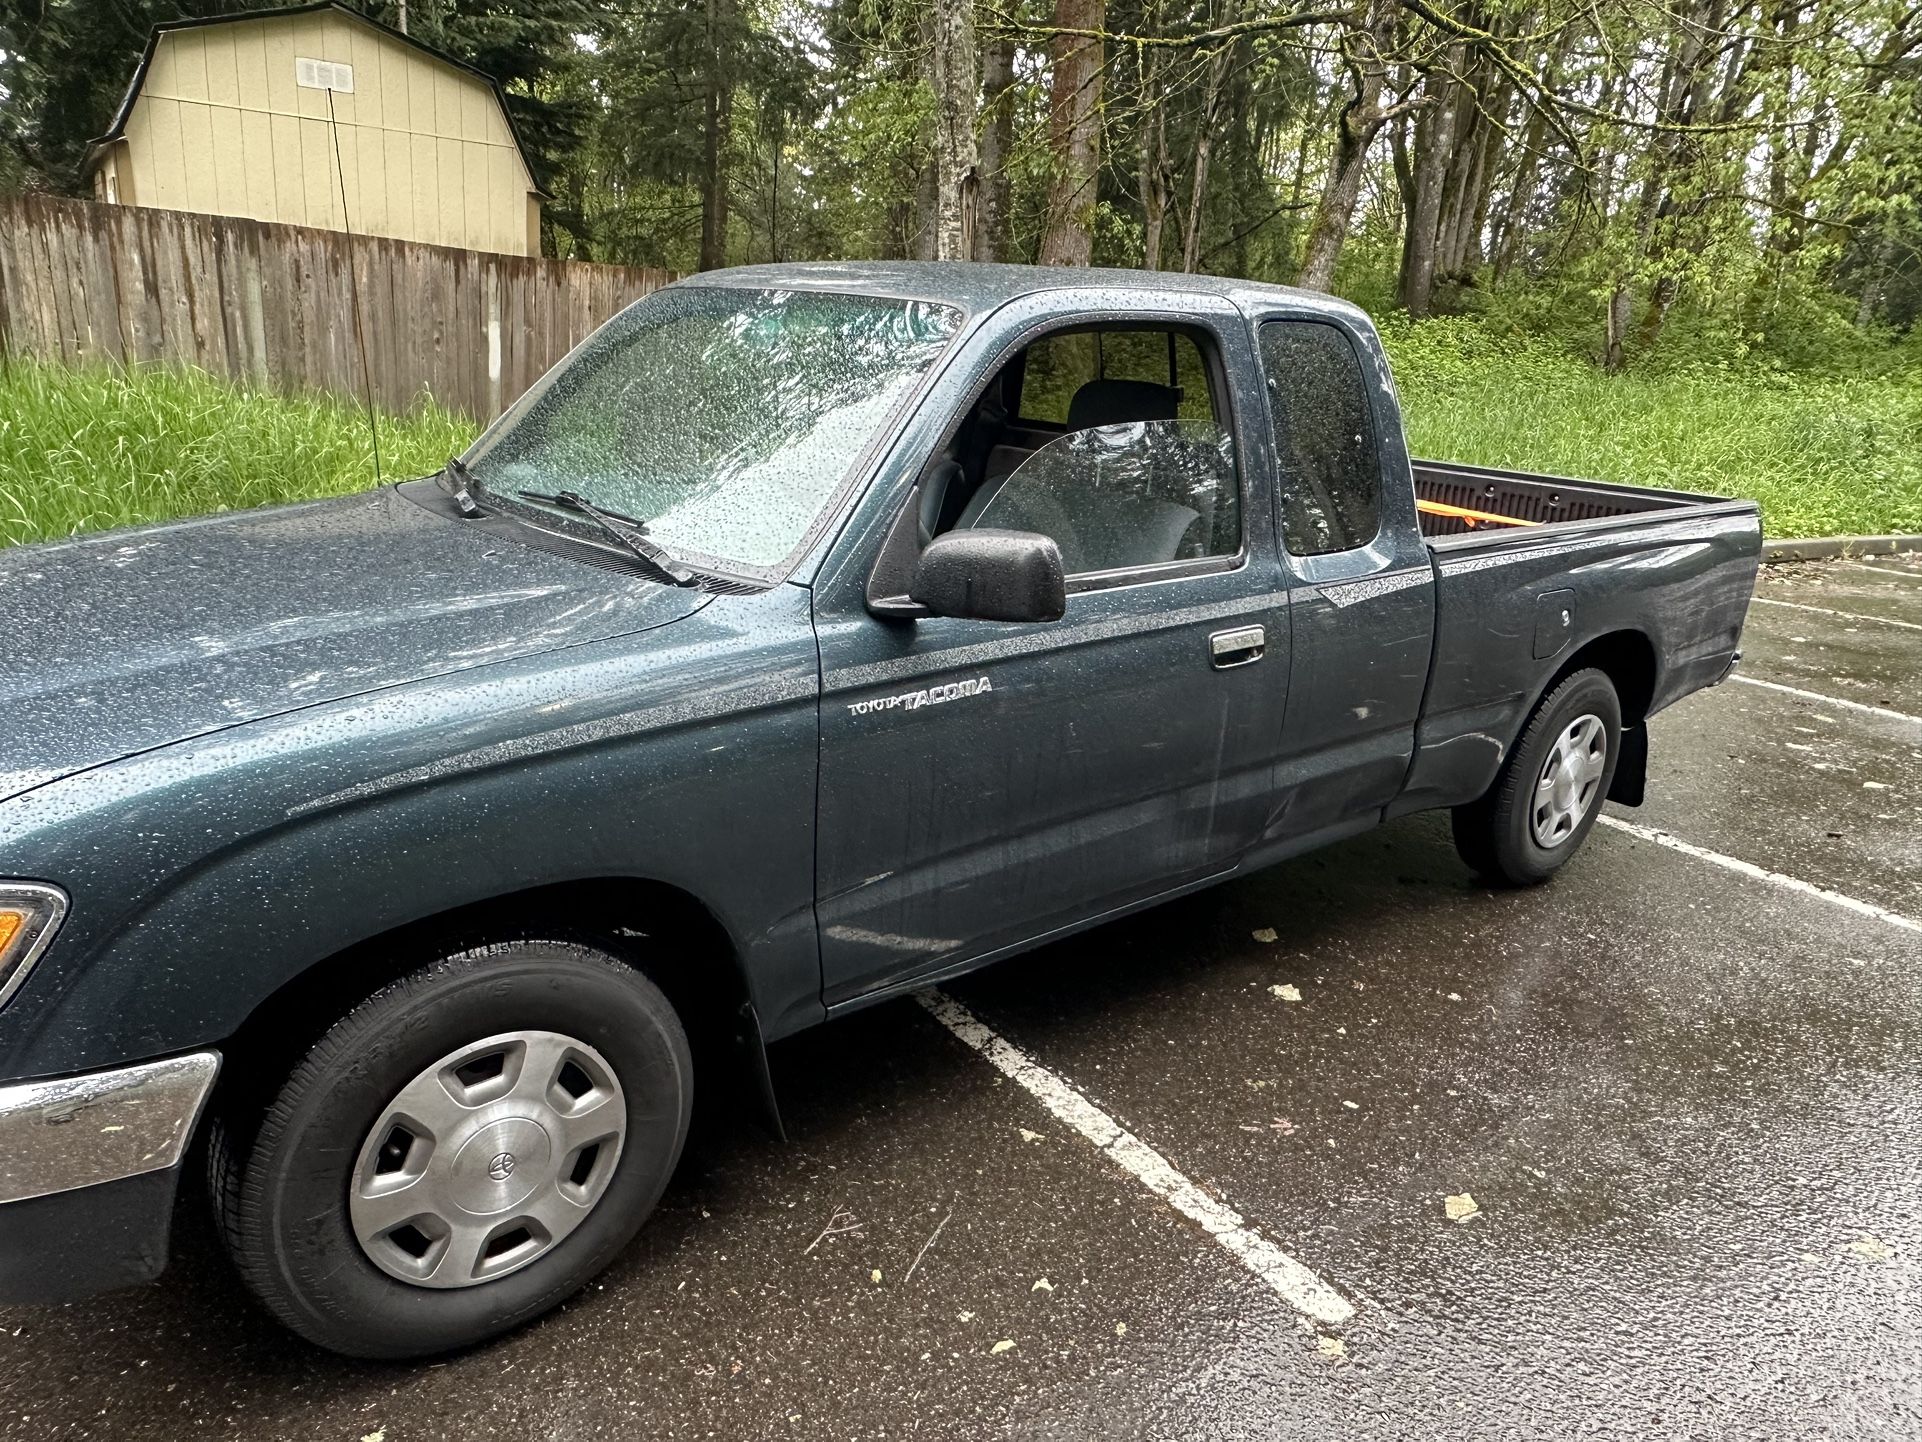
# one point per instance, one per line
(404, 861)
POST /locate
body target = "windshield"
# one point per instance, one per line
(724, 418)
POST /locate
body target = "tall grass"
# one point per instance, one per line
(82, 449)
(1823, 456)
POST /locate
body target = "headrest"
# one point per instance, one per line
(1116, 402)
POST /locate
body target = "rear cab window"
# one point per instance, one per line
(1329, 472)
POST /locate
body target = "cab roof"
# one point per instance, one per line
(976, 286)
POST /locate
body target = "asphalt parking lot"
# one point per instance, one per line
(1171, 1179)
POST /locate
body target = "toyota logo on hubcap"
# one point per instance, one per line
(502, 1167)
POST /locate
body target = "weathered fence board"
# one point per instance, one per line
(274, 305)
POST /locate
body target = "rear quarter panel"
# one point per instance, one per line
(1682, 579)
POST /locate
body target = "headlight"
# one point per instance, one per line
(30, 913)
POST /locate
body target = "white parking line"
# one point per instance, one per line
(1749, 868)
(1907, 573)
(1294, 1283)
(1862, 706)
(1845, 615)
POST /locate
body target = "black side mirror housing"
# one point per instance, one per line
(989, 575)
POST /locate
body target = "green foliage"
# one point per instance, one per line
(865, 163)
(1825, 456)
(1794, 326)
(64, 65)
(85, 449)
(1726, 197)
(1736, 180)
(90, 448)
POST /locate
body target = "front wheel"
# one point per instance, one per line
(1550, 790)
(462, 1151)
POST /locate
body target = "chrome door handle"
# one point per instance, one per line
(1239, 647)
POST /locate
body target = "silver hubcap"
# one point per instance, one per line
(487, 1159)
(1569, 780)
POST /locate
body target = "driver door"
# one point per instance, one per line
(984, 784)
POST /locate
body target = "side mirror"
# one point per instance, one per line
(990, 575)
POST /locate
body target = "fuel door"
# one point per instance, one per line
(1554, 622)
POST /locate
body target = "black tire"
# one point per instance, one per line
(1493, 834)
(281, 1173)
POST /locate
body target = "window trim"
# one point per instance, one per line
(1368, 409)
(1221, 400)
(1083, 581)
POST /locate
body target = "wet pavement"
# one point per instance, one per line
(1683, 1095)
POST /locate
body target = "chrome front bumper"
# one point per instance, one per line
(104, 1126)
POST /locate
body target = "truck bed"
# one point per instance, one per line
(1543, 561)
(1460, 500)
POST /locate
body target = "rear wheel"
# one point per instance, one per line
(1550, 790)
(459, 1153)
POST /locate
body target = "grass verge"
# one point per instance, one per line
(1825, 457)
(83, 449)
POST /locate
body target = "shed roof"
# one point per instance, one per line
(119, 126)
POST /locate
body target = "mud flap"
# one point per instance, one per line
(1631, 771)
(755, 1078)
(68, 1245)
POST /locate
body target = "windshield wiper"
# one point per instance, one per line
(463, 479)
(629, 532)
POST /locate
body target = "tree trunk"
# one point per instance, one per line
(1341, 192)
(991, 239)
(952, 77)
(1876, 280)
(1154, 189)
(1684, 91)
(1434, 146)
(1472, 251)
(774, 194)
(718, 108)
(1204, 148)
(1152, 157)
(1074, 134)
(1512, 230)
(1458, 181)
(927, 204)
(902, 231)
(1490, 123)
(1404, 167)
(1661, 297)
(1616, 327)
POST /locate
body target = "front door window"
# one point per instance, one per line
(1120, 497)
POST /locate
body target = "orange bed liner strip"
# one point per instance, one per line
(1473, 518)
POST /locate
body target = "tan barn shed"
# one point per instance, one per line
(230, 116)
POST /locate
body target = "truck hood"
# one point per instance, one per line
(131, 640)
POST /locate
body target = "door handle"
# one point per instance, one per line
(1239, 647)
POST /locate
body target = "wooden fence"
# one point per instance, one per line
(273, 305)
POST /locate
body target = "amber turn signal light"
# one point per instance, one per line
(30, 913)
